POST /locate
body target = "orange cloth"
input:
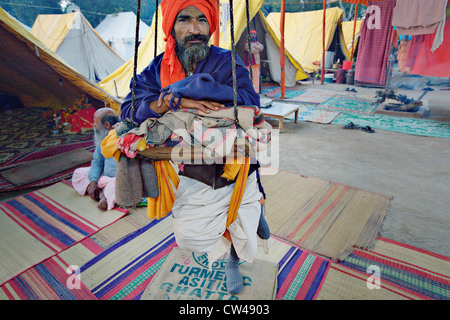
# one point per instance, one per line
(160, 206)
(171, 68)
(241, 169)
(437, 63)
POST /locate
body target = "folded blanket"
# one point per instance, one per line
(216, 131)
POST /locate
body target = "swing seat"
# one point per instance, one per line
(193, 154)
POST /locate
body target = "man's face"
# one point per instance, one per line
(189, 23)
(191, 32)
(100, 132)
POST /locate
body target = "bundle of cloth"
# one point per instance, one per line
(216, 132)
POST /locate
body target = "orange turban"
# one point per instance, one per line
(171, 68)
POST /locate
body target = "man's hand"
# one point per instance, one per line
(93, 191)
(205, 106)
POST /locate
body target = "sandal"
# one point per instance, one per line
(367, 129)
(350, 125)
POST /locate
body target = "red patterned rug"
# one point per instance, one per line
(25, 136)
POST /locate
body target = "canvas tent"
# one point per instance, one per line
(348, 42)
(118, 83)
(303, 31)
(119, 31)
(72, 37)
(32, 72)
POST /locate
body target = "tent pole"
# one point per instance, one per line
(282, 16)
(322, 73)
(216, 35)
(354, 31)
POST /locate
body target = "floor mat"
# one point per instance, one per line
(311, 114)
(41, 169)
(51, 279)
(317, 96)
(24, 131)
(42, 223)
(125, 270)
(275, 92)
(349, 104)
(389, 270)
(25, 137)
(322, 216)
(420, 127)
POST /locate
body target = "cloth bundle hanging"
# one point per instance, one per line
(137, 178)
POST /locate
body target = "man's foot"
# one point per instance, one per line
(235, 282)
(102, 205)
(263, 230)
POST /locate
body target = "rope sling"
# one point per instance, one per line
(160, 205)
(195, 152)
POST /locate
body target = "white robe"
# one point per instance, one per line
(200, 216)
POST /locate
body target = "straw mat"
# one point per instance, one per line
(404, 272)
(321, 216)
(37, 225)
(300, 273)
(125, 270)
(135, 220)
(51, 279)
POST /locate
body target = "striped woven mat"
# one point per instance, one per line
(390, 270)
(40, 224)
(124, 271)
(321, 216)
(52, 279)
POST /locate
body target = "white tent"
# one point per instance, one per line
(72, 38)
(119, 31)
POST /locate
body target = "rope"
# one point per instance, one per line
(249, 40)
(233, 63)
(156, 27)
(136, 46)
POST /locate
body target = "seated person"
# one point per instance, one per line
(98, 180)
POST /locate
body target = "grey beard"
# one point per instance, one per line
(99, 135)
(192, 56)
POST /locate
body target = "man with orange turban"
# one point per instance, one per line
(192, 74)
